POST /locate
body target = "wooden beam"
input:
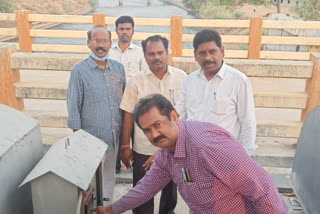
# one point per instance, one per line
(24, 27)
(99, 19)
(176, 35)
(255, 38)
(8, 77)
(313, 86)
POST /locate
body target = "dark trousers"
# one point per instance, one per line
(168, 200)
(118, 163)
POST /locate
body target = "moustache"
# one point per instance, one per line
(156, 61)
(208, 63)
(101, 49)
(157, 139)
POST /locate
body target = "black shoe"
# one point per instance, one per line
(118, 171)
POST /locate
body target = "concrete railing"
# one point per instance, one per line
(245, 46)
(270, 153)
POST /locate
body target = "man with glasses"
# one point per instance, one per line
(94, 94)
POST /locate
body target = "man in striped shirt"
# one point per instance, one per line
(94, 94)
(213, 172)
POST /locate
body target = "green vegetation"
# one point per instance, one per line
(6, 6)
(220, 9)
(309, 9)
(93, 3)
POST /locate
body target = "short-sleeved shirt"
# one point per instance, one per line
(93, 99)
(146, 84)
(132, 59)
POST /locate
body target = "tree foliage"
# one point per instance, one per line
(309, 9)
(6, 6)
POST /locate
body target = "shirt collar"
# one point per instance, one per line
(180, 151)
(131, 46)
(220, 73)
(169, 71)
(92, 64)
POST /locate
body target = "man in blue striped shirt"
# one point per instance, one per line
(94, 94)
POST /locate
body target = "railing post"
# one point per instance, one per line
(313, 86)
(24, 26)
(120, 3)
(255, 36)
(8, 77)
(176, 36)
(99, 19)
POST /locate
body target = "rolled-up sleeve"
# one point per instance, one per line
(74, 99)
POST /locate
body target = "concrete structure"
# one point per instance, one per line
(20, 150)
(285, 2)
(67, 168)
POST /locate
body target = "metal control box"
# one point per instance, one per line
(65, 181)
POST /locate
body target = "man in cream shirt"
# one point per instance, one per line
(218, 93)
(163, 79)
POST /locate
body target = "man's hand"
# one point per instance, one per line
(127, 157)
(102, 210)
(149, 162)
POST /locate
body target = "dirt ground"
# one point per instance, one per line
(50, 6)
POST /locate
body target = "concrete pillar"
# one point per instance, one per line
(8, 77)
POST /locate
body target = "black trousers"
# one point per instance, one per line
(118, 163)
(168, 200)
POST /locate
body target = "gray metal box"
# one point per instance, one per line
(20, 151)
(62, 176)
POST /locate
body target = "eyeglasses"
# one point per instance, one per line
(100, 41)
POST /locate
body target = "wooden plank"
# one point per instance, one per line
(139, 36)
(7, 17)
(282, 40)
(255, 34)
(239, 54)
(176, 35)
(313, 86)
(225, 39)
(8, 77)
(152, 22)
(99, 19)
(285, 55)
(61, 48)
(310, 25)
(58, 33)
(60, 18)
(8, 31)
(216, 23)
(24, 27)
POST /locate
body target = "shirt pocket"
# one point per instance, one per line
(220, 106)
(201, 191)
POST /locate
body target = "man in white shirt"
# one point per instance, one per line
(218, 93)
(128, 54)
(124, 51)
(162, 79)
